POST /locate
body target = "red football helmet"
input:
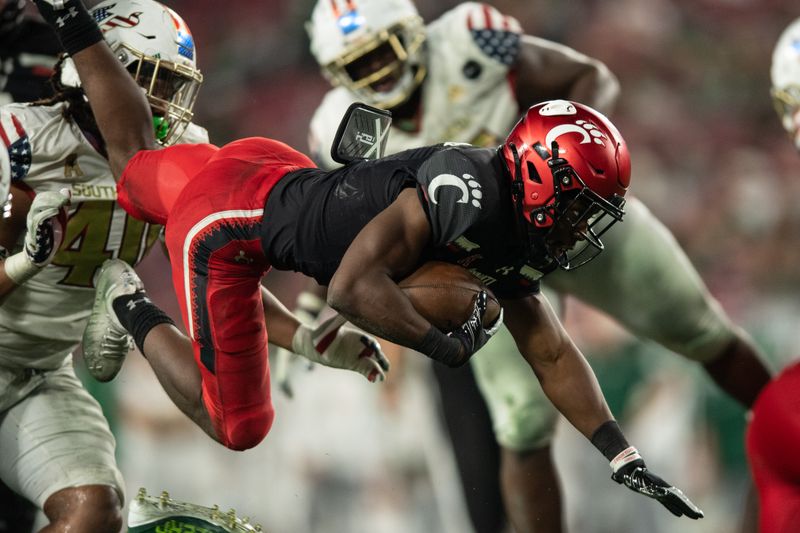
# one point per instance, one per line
(570, 169)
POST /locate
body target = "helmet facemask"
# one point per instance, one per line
(570, 224)
(400, 51)
(787, 104)
(171, 89)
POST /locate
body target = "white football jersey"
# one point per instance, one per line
(43, 320)
(467, 96)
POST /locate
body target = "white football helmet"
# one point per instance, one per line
(785, 75)
(157, 48)
(344, 33)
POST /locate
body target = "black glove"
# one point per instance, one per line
(455, 348)
(636, 477)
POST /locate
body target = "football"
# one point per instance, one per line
(445, 295)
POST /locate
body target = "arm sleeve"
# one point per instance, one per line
(153, 179)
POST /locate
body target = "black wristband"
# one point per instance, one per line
(608, 438)
(75, 27)
(442, 348)
(138, 315)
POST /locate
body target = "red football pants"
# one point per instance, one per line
(773, 446)
(213, 238)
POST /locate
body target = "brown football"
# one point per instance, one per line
(445, 295)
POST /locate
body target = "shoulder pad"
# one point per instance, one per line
(495, 35)
(15, 141)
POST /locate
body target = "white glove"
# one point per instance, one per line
(42, 238)
(336, 346)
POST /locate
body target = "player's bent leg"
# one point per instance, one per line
(475, 447)
(649, 285)
(524, 422)
(217, 265)
(85, 508)
(58, 453)
(532, 490)
(739, 370)
(773, 439)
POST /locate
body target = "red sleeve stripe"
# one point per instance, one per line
(335, 9)
(4, 136)
(470, 25)
(487, 16)
(506, 24)
(18, 127)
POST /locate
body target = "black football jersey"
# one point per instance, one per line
(312, 216)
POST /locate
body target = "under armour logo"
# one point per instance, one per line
(504, 271)
(131, 305)
(242, 258)
(61, 21)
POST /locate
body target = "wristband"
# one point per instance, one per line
(608, 438)
(442, 348)
(75, 27)
(626, 456)
(19, 268)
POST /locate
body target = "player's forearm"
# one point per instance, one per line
(375, 303)
(570, 384)
(282, 323)
(7, 285)
(596, 87)
(120, 109)
(119, 106)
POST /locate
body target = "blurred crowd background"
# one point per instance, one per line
(709, 158)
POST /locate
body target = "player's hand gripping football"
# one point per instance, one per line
(335, 345)
(42, 238)
(471, 334)
(633, 473)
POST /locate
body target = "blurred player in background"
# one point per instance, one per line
(58, 451)
(28, 52)
(464, 78)
(773, 436)
(255, 203)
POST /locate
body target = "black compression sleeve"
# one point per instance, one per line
(608, 438)
(75, 27)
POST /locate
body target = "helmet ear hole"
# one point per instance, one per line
(533, 174)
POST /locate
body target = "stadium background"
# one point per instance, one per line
(709, 158)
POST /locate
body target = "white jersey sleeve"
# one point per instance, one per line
(324, 125)
(479, 31)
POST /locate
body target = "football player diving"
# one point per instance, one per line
(538, 203)
(58, 451)
(464, 78)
